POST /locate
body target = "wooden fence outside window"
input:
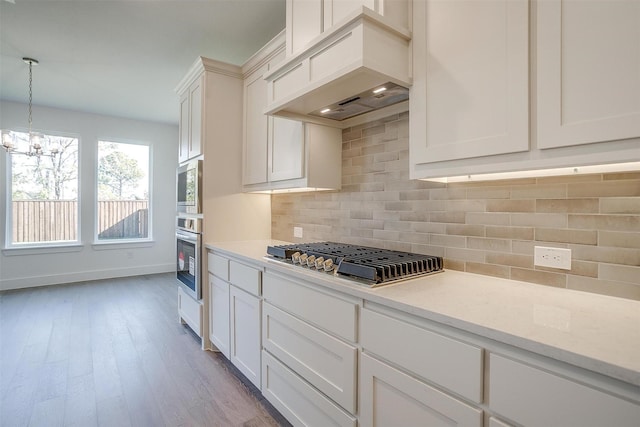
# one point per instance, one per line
(57, 220)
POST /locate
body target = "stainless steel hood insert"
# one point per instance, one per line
(378, 97)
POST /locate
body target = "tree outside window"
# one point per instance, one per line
(44, 192)
(123, 191)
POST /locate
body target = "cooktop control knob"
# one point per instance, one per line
(328, 265)
(311, 261)
(303, 259)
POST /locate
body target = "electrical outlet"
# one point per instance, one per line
(552, 257)
(297, 232)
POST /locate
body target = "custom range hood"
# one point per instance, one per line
(360, 65)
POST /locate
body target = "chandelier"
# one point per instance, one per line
(10, 139)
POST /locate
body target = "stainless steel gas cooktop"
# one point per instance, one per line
(364, 265)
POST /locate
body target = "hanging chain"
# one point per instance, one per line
(30, 93)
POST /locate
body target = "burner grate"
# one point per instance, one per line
(361, 262)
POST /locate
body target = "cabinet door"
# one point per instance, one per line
(304, 22)
(588, 71)
(195, 118)
(471, 82)
(286, 149)
(183, 144)
(255, 127)
(389, 397)
(245, 334)
(219, 314)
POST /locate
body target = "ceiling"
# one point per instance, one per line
(122, 57)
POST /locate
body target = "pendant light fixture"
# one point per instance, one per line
(35, 139)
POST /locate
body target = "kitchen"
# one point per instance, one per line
(485, 227)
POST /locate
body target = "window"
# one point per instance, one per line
(123, 191)
(44, 190)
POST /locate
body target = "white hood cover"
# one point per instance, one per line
(340, 71)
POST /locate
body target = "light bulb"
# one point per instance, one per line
(35, 142)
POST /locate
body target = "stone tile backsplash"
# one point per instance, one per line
(488, 228)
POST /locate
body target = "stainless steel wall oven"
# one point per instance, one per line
(189, 255)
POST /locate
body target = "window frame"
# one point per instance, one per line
(100, 244)
(52, 246)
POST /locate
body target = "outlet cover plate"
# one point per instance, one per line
(552, 257)
(297, 232)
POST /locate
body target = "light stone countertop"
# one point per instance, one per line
(595, 332)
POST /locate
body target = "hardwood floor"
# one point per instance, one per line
(112, 353)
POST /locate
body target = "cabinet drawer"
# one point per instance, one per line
(392, 398)
(452, 364)
(218, 265)
(190, 311)
(325, 311)
(534, 397)
(300, 403)
(324, 361)
(245, 277)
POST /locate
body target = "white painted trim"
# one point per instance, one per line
(42, 248)
(203, 64)
(46, 280)
(264, 55)
(122, 244)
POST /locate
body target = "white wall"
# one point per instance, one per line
(88, 262)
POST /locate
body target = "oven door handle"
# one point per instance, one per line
(187, 237)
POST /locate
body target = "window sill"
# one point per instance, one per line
(122, 244)
(42, 249)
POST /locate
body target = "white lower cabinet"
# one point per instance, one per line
(299, 402)
(389, 397)
(245, 333)
(325, 358)
(534, 397)
(309, 358)
(235, 313)
(219, 314)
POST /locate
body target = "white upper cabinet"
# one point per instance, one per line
(308, 19)
(286, 149)
(255, 129)
(470, 89)
(588, 68)
(190, 145)
(281, 153)
(470, 108)
(304, 23)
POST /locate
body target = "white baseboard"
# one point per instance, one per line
(83, 276)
